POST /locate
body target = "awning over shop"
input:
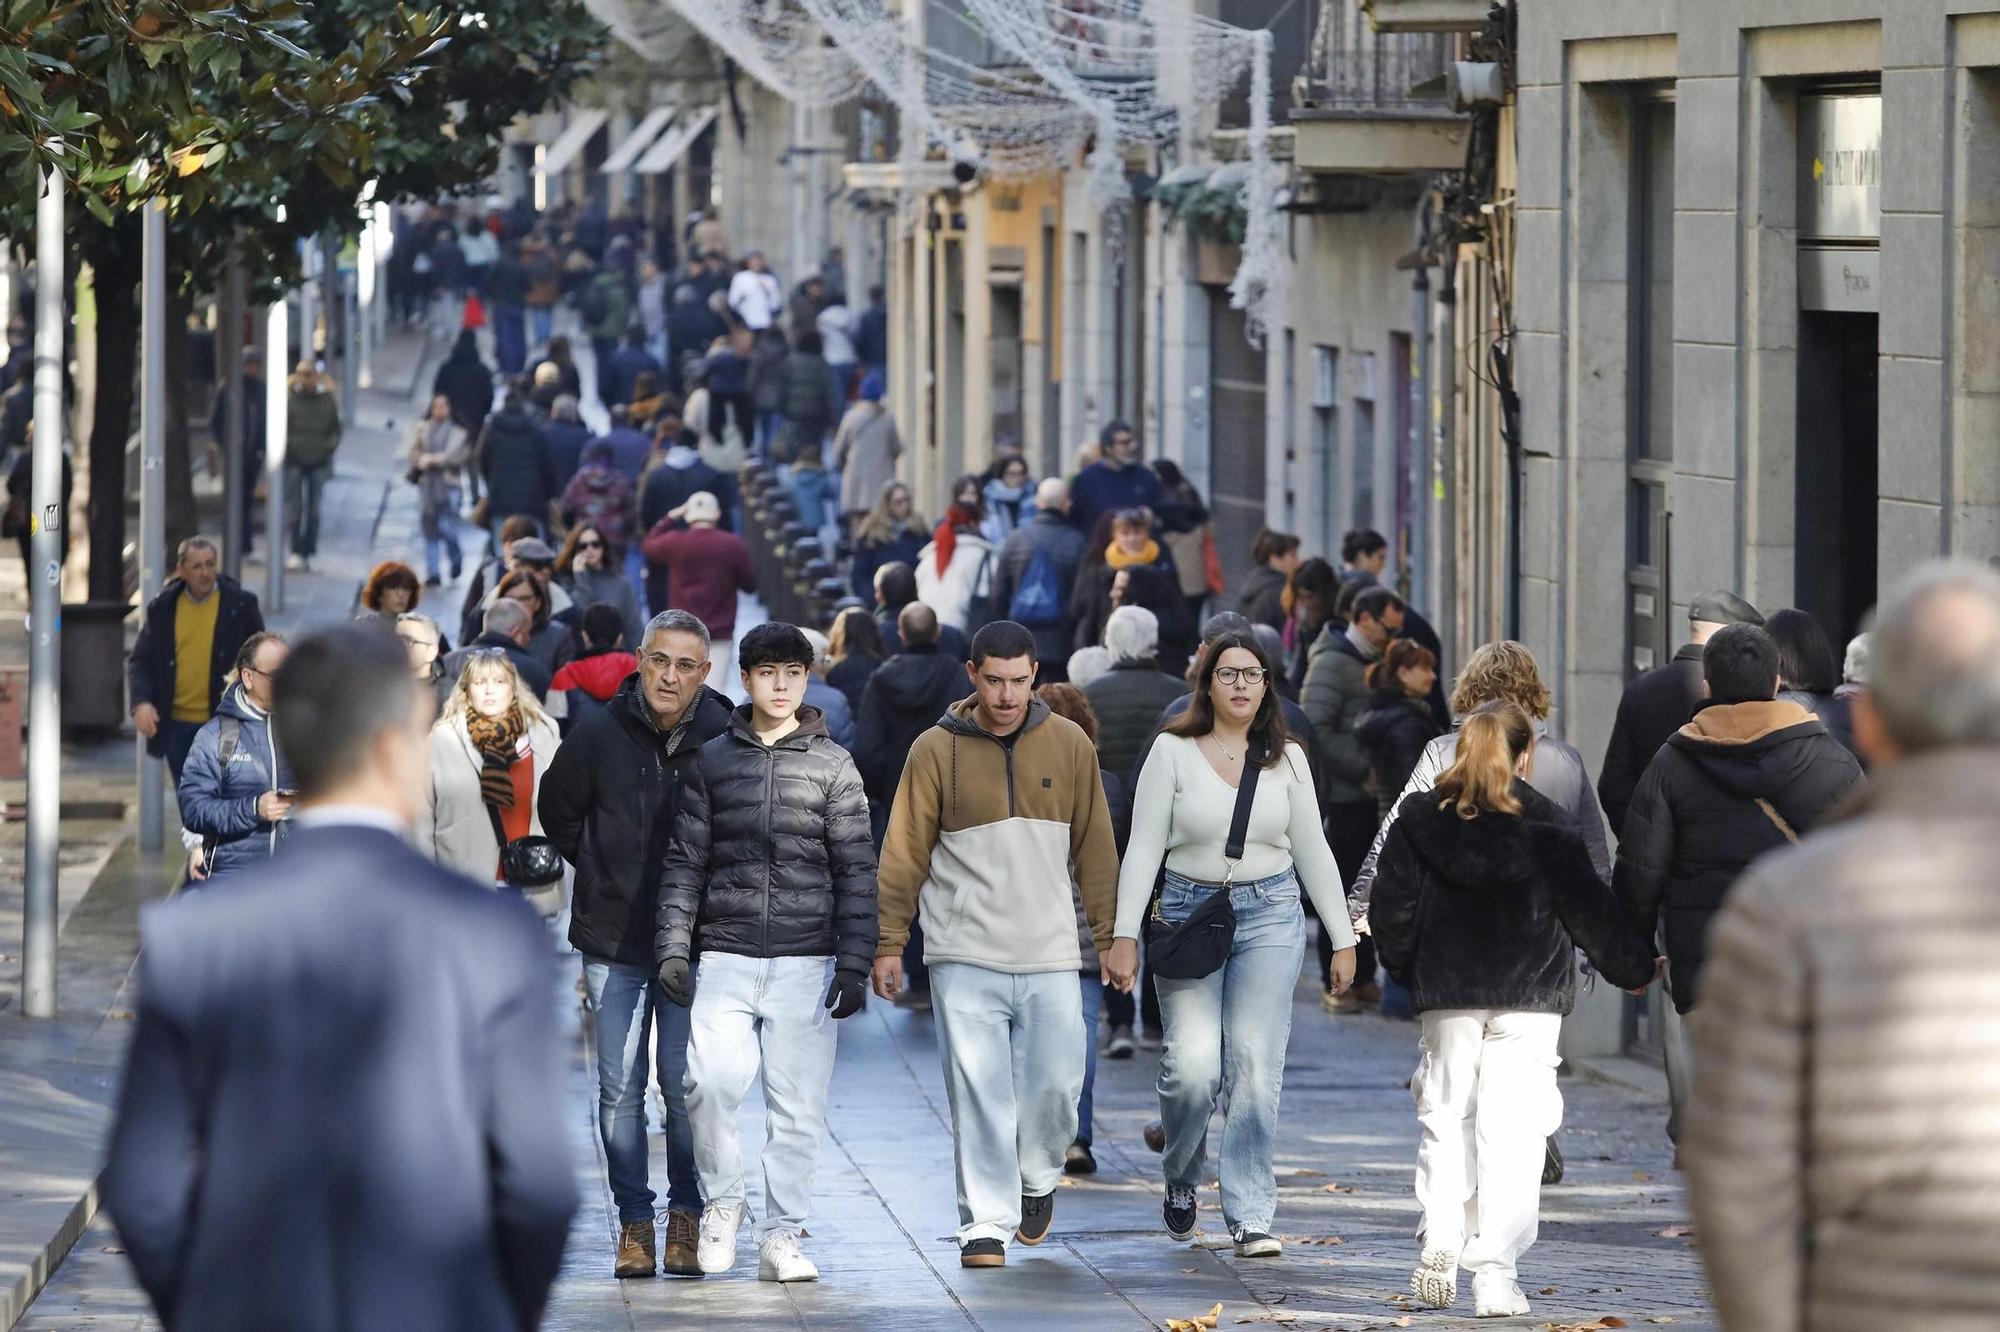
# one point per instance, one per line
(584, 122)
(675, 142)
(639, 140)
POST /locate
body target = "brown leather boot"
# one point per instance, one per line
(683, 1238)
(635, 1249)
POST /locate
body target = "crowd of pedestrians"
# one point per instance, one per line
(1044, 778)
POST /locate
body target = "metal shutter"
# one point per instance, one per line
(1236, 448)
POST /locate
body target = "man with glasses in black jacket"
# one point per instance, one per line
(608, 801)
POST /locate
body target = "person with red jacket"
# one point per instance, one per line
(593, 678)
(705, 568)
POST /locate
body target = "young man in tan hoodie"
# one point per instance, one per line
(999, 810)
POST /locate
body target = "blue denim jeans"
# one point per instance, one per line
(1012, 1047)
(303, 488)
(1093, 1003)
(1226, 1034)
(624, 1001)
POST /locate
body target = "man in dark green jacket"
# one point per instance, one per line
(312, 433)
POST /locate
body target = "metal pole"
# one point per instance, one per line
(1420, 440)
(350, 375)
(152, 480)
(47, 525)
(1445, 449)
(308, 302)
(365, 279)
(235, 513)
(276, 374)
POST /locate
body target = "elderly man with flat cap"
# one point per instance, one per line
(1661, 701)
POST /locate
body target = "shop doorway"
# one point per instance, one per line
(1836, 468)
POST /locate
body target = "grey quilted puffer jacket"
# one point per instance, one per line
(772, 854)
(1842, 1141)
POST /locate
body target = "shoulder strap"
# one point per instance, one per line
(225, 745)
(1246, 795)
(1777, 819)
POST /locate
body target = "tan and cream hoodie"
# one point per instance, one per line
(984, 840)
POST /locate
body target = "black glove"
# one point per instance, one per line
(847, 995)
(676, 981)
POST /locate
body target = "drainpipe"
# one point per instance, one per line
(1445, 453)
(1418, 470)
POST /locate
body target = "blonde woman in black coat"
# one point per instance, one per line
(1483, 892)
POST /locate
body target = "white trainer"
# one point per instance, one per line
(1435, 1281)
(720, 1224)
(1497, 1296)
(779, 1259)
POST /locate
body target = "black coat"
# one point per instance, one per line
(1695, 823)
(850, 675)
(904, 698)
(1655, 705)
(608, 801)
(468, 384)
(346, 1001)
(1046, 533)
(1262, 597)
(520, 471)
(1128, 699)
(1487, 912)
(1394, 728)
(772, 853)
(149, 671)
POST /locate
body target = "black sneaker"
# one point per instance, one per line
(982, 1253)
(1257, 1244)
(1078, 1160)
(1179, 1213)
(1036, 1214)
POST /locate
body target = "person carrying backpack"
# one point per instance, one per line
(1034, 572)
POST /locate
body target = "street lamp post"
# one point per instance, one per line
(276, 374)
(47, 523)
(152, 479)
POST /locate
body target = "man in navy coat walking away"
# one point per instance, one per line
(343, 1103)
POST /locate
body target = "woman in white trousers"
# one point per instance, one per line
(1483, 892)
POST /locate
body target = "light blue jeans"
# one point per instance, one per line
(1092, 995)
(771, 1010)
(1012, 1048)
(624, 1002)
(1226, 1033)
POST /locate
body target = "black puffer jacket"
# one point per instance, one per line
(1127, 700)
(902, 699)
(520, 471)
(772, 853)
(1695, 823)
(1394, 728)
(608, 802)
(1487, 912)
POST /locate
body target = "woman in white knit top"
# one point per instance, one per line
(1226, 1032)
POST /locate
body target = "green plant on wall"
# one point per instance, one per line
(1208, 212)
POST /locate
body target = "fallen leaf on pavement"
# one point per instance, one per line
(1594, 1325)
(1275, 1316)
(1549, 1290)
(113, 1248)
(1675, 1232)
(1190, 1269)
(1336, 1188)
(1640, 1177)
(1662, 1318)
(1196, 1324)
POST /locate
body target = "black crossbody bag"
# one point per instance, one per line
(1199, 945)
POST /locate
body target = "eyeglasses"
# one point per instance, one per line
(416, 640)
(590, 545)
(1229, 675)
(660, 661)
(494, 652)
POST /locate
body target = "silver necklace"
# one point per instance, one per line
(1227, 757)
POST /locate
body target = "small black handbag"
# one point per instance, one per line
(1199, 945)
(526, 862)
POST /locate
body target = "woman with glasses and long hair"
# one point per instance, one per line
(892, 533)
(1226, 1032)
(488, 754)
(585, 569)
(1483, 894)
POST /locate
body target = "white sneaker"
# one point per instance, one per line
(1497, 1296)
(1435, 1281)
(720, 1223)
(779, 1259)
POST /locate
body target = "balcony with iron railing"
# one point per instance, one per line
(1370, 101)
